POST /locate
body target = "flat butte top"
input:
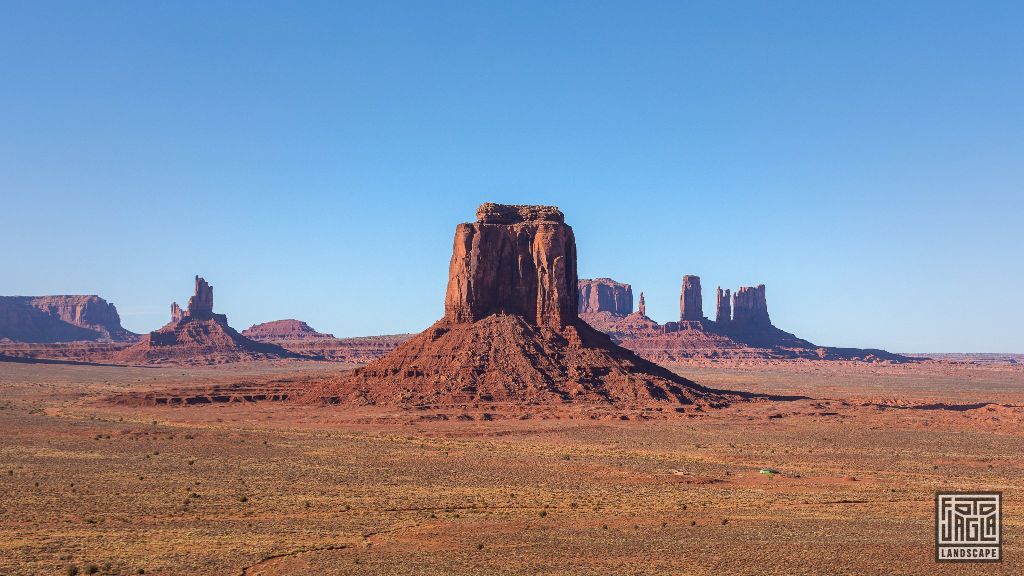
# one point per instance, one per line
(491, 213)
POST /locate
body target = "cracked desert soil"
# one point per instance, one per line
(275, 488)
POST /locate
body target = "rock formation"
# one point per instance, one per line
(197, 335)
(511, 333)
(691, 307)
(642, 309)
(742, 330)
(200, 305)
(283, 330)
(750, 307)
(176, 312)
(605, 295)
(723, 307)
(297, 336)
(60, 319)
(513, 260)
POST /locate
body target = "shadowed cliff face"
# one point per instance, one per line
(605, 295)
(60, 319)
(517, 260)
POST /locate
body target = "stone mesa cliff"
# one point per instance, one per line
(197, 335)
(511, 332)
(70, 318)
(605, 295)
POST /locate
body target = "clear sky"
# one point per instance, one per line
(864, 160)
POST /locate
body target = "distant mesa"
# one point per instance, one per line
(52, 319)
(284, 330)
(299, 337)
(742, 329)
(197, 335)
(605, 295)
(512, 333)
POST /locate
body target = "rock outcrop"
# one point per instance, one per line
(513, 260)
(742, 330)
(605, 295)
(200, 305)
(511, 333)
(298, 337)
(284, 330)
(176, 312)
(723, 307)
(691, 306)
(642, 308)
(750, 307)
(197, 335)
(43, 319)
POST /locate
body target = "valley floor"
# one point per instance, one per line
(276, 488)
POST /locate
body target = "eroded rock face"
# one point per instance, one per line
(517, 260)
(723, 308)
(201, 302)
(176, 312)
(750, 307)
(642, 308)
(691, 307)
(63, 318)
(605, 295)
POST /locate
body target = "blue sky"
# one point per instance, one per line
(864, 160)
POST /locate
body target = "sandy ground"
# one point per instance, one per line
(276, 488)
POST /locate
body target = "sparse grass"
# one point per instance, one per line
(386, 479)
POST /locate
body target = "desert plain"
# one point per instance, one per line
(93, 485)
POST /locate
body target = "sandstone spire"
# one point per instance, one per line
(198, 336)
(723, 308)
(643, 306)
(690, 305)
(201, 302)
(176, 312)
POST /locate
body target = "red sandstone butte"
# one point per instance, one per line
(691, 307)
(511, 332)
(197, 335)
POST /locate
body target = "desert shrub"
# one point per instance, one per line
(71, 570)
(91, 569)
(543, 513)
